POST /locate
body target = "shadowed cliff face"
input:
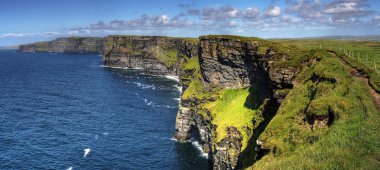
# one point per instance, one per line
(227, 62)
(67, 45)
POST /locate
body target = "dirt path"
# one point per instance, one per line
(362, 77)
(374, 94)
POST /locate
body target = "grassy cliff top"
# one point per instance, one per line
(341, 131)
(241, 38)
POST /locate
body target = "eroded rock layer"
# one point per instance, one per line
(67, 45)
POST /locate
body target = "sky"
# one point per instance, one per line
(40, 20)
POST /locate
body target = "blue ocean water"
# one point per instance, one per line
(54, 106)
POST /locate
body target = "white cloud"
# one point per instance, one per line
(251, 13)
(343, 8)
(273, 11)
(44, 34)
(376, 18)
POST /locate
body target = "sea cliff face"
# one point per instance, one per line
(246, 99)
(154, 54)
(207, 67)
(231, 63)
(67, 45)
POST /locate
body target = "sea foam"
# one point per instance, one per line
(86, 152)
(175, 78)
(199, 148)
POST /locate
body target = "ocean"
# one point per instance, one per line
(66, 111)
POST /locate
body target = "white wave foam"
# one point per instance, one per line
(179, 88)
(147, 102)
(167, 106)
(70, 168)
(170, 107)
(175, 78)
(173, 139)
(111, 67)
(199, 147)
(177, 99)
(136, 68)
(105, 133)
(145, 86)
(86, 152)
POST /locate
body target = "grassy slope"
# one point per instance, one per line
(230, 110)
(364, 55)
(353, 133)
(362, 48)
(352, 140)
(227, 106)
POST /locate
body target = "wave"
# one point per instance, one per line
(145, 86)
(167, 106)
(111, 67)
(86, 152)
(70, 168)
(199, 148)
(179, 88)
(175, 78)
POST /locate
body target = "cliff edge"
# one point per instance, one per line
(67, 45)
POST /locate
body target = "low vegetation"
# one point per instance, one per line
(327, 121)
(364, 55)
(230, 110)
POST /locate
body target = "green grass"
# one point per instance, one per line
(42, 46)
(109, 43)
(191, 40)
(190, 69)
(347, 135)
(352, 141)
(196, 88)
(192, 63)
(168, 57)
(230, 110)
(364, 55)
(241, 38)
(363, 48)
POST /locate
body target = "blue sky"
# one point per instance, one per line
(37, 20)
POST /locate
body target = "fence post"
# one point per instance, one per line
(374, 65)
(366, 60)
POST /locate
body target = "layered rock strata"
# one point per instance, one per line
(67, 45)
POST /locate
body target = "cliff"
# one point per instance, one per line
(153, 54)
(67, 45)
(253, 103)
(237, 79)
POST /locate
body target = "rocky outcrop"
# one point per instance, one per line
(224, 62)
(229, 62)
(154, 54)
(228, 150)
(67, 45)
